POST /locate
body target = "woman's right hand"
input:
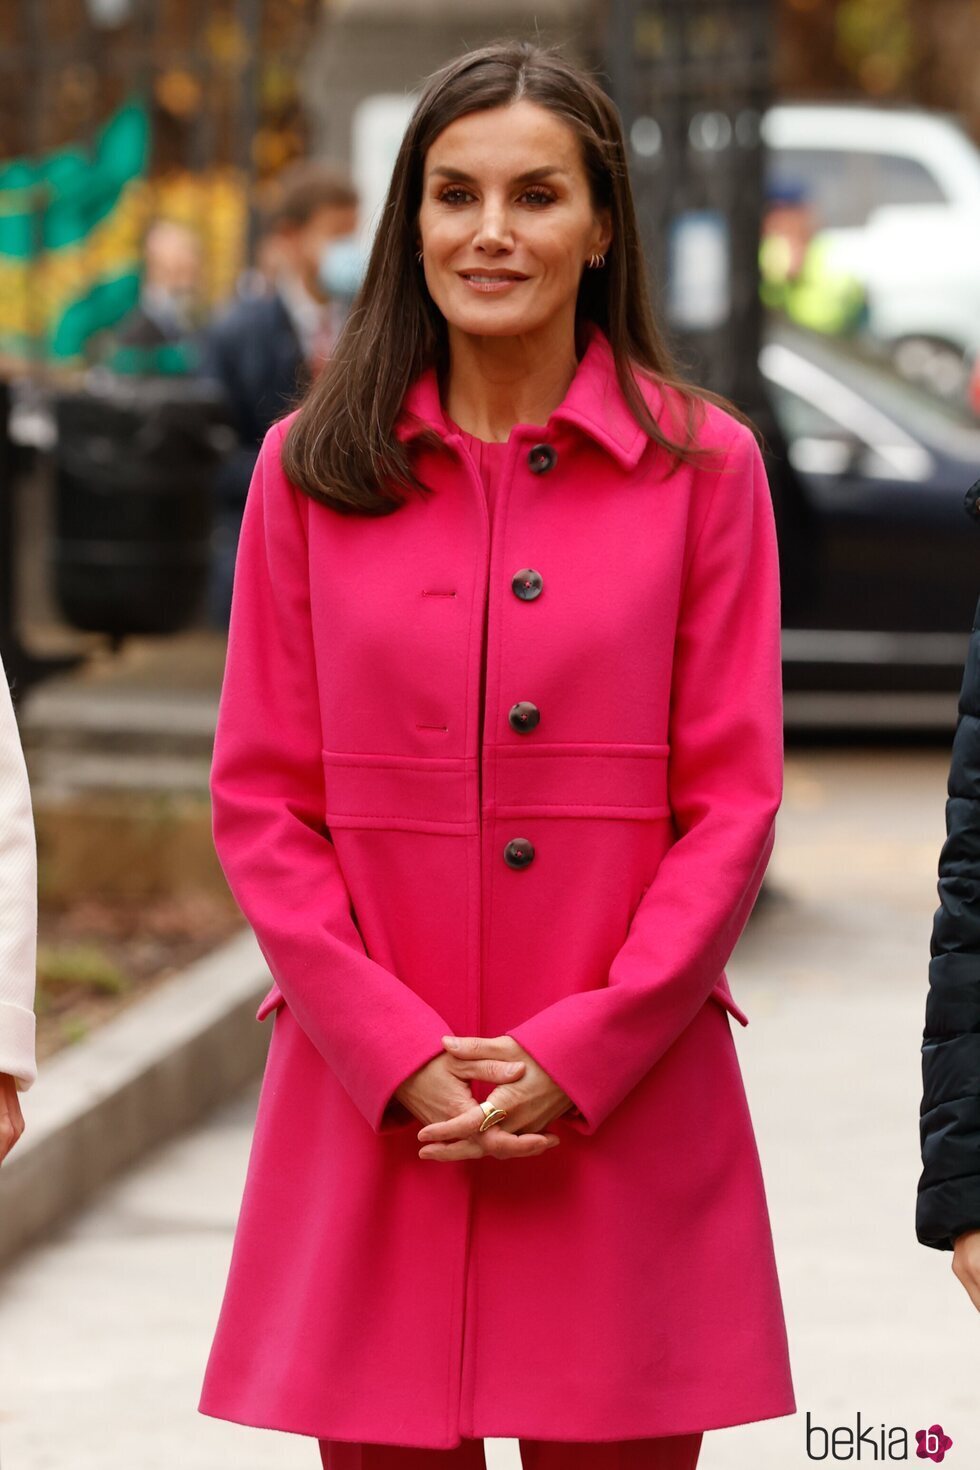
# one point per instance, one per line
(966, 1263)
(435, 1092)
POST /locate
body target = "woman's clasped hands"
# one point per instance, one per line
(524, 1090)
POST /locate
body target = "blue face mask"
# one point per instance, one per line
(341, 267)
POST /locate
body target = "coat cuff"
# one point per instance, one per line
(374, 1088)
(383, 1058)
(17, 1040)
(549, 1037)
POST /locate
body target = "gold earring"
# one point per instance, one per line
(595, 261)
(418, 255)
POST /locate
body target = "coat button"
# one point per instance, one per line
(527, 584)
(518, 852)
(524, 715)
(542, 457)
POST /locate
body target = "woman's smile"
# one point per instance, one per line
(489, 283)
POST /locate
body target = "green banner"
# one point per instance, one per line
(69, 239)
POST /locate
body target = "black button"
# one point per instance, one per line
(527, 584)
(524, 716)
(518, 852)
(971, 501)
(542, 457)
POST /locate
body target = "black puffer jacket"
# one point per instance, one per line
(948, 1199)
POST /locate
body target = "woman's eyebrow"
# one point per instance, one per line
(525, 178)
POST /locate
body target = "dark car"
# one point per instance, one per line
(880, 560)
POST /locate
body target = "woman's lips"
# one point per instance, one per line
(490, 287)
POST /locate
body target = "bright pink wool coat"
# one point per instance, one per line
(622, 1285)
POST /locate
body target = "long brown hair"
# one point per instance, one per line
(341, 448)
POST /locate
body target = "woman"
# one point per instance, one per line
(495, 779)
(947, 1208)
(18, 926)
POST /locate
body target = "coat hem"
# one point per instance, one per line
(511, 1430)
(258, 1421)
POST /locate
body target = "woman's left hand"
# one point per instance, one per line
(11, 1117)
(531, 1102)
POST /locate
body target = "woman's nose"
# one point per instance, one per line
(493, 226)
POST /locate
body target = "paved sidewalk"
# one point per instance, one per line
(104, 1330)
(138, 718)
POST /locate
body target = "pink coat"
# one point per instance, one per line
(579, 884)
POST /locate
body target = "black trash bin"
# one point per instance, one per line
(134, 464)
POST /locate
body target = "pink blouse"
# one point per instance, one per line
(488, 458)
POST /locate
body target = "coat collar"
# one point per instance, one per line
(594, 403)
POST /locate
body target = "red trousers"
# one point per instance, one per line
(675, 1452)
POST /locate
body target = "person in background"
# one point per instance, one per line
(265, 349)
(947, 1209)
(161, 334)
(18, 926)
(802, 269)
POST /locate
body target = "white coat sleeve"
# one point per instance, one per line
(725, 781)
(268, 823)
(18, 903)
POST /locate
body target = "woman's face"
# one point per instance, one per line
(481, 214)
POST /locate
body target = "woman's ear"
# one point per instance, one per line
(604, 221)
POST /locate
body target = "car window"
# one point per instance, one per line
(816, 443)
(902, 180)
(844, 186)
(801, 419)
(830, 427)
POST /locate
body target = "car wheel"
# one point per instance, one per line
(938, 366)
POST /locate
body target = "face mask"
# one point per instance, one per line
(341, 267)
(169, 301)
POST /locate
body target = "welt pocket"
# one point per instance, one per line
(273, 999)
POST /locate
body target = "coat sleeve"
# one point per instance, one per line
(948, 1195)
(725, 781)
(18, 904)
(268, 805)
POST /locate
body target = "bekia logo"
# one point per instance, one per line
(873, 1442)
(932, 1443)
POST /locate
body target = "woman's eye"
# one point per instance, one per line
(540, 196)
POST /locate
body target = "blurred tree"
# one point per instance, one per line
(876, 43)
(917, 51)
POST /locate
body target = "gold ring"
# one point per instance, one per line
(491, 1115)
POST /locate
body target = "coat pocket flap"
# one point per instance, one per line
(270, 1002)
(721, 994)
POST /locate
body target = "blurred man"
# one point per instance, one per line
(265, 348)
(159, 334)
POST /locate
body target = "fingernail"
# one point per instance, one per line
(512, 1067)
(449, 1041)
